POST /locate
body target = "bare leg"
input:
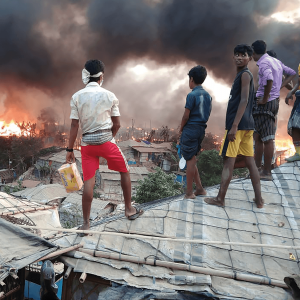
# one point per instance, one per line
(259, 147)
(126, 187)
(225, 180)
(190, 172)
(255, 179)
(87, 198)
(268, 154)
(199, 188)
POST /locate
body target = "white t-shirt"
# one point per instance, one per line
(94, 106)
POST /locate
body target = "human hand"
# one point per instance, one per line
(231, 134)
(70, 157)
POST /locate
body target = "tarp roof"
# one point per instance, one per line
(239, 221)
(20, 247)
(43, 193)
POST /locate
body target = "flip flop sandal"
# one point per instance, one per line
(138, 213)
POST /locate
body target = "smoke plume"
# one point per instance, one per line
(44, 45)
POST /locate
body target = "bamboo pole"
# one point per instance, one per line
(59, 252)
(67, 274)
(26, 210)
(82, 277)
(162, 238)
(190, 268)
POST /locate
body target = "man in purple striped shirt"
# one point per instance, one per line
(267, 104)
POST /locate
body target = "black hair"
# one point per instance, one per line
(259, 47)
(94, 66)
(272, 53)
(198, 73)
(243, 48)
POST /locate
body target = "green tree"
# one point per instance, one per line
(157, 185)
(210, 167)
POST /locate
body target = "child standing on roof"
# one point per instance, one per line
(192, 128)
(294, 121)
(238, 139)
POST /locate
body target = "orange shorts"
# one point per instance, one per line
(110, 151)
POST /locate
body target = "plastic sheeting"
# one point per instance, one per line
(239, 221)
(20, 248)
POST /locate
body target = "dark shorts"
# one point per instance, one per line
(191, 139)
(294, 121)
(265, 119)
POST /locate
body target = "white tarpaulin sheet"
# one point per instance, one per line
(239, 221)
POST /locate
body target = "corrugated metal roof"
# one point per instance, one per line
(133, 170)
(151, 150)
(239, 221)
(60, 157)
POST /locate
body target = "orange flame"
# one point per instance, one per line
(8, 129)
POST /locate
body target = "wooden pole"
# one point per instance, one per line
(26, 210)
(60, 252)
(162, 238)
(195, 269)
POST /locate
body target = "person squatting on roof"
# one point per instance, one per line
(266, 104)
(237, 147)
(97, 109)
(192, 128)
(294, 121)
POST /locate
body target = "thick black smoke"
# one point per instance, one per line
(44, 44)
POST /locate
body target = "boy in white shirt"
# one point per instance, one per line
(97, 110)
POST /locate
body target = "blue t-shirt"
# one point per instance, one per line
(198, 101)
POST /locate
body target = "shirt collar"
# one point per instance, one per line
(197, 87)
(93, 83)
(262, 59)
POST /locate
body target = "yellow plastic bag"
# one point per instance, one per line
(70, 177)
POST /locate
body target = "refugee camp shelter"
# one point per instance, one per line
(6, 176)
(53, 161)
(110, 181)
(20, 247)
(43, 193)
(157, 256)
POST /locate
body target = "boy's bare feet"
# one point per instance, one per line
(190, 196)
(214, 201)
(265, 176)
(85, 226)
(260, 203)
(200, 192)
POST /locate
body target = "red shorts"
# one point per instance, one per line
(110, 151)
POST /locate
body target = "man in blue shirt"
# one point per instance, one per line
(192, 128)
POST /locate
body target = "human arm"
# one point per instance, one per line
(287, 81)
(267, 90)
(184, 119)
(289, 85)
(116, 125)
(289, 75)
(70, 157)
(245, 80)
(289, 96)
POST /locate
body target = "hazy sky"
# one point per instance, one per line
(147, 46)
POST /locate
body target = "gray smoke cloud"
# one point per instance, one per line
(44, 45)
